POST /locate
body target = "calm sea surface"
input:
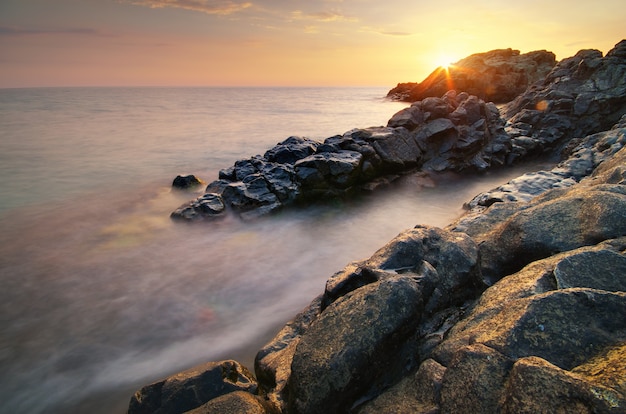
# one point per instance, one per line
(102, 293)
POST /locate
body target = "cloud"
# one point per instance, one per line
(385, 32)
(220, 7)
(324, 16)
(18, 31)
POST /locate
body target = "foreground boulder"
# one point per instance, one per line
(494, 76)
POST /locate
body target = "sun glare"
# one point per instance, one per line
(444, 61)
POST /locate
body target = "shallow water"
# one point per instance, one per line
(102, 293)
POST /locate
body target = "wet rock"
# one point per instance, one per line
(192, 388)
(329, 170)
(454, 132)
(208, 206)
(291, 150)
(186, 182)
(498, 76)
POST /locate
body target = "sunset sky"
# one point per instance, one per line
(281, 42)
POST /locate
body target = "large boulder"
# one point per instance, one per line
(357, 343)
(498, 76)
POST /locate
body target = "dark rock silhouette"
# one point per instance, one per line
(496, 76)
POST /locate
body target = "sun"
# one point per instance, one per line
(444, 61)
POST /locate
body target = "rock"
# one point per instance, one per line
(192, 388)
(515, 307)
(585, 217)
(535, 385)
(237, 402)
(474, 381)
(291, 150)
(272, 363)
(498, 76)
(418, 393)
(581, 95)
(357, 342)
(186, 182)
(329, 170)
(210, 205)
(451, 133)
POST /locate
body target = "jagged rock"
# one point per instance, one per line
(498, 75)
(454, 132)
(291, 150)
(329, 170)
(210, 205)
(192, 388)
(582, 95)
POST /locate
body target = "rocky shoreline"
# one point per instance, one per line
(518, 306)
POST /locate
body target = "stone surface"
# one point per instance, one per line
(498, 75)
(582, 95)
(363, 334)
(186, 182)
(192, 388)
(237, 402)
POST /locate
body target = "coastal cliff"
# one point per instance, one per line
(518, 306)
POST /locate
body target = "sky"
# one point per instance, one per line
(281, 42)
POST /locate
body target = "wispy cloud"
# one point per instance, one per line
(219, 7)
(324, 16)
(386, 32)
(20, 31)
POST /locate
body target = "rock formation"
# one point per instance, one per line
(496, 76)
(455, 132)
(517, 307)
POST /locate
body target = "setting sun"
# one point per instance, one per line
(444, 61)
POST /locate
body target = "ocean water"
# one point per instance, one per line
(102, 293)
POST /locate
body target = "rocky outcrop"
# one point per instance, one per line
(516, 307)
(582, 95)
(496, 76)
(455, 132)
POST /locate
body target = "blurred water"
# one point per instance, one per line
(102, 293)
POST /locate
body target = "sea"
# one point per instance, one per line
(103, 293)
